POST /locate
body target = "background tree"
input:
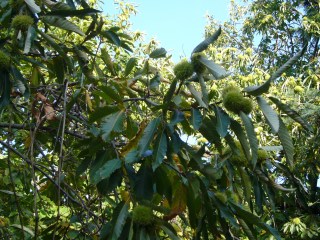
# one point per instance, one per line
(92, 118)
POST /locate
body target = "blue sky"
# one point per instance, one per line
(177, 24)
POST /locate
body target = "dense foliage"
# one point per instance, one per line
(93, 121)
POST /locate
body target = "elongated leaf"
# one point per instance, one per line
(223, 121)
(291, 113)
(288, 64)
(158, 53)
(112, 37)
(251, 136)
(246, 184)
(208, 130)
(286, 142)
(172, 235)
(195, 118)
(269, 113)
(258, 90)
(155, 82)
(148, 135)
(130, 65)
(204, 90)
(105, 171)
(177, 117)
(160, 150)
(26, 229)
(113, 122)
(107, 60)
(73, 13)
(63, 24)
(197, 95)
(237, 129)
(143, 187)
(112, 93)
(33, 6)
(29, 39)
(215, 69)
(205, 44)
(120, 221)
(255, 220)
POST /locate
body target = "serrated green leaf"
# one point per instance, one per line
(258, 90)
(112, 123)
(251, 136)
(159, 151)
(195, 118)
(148, 135)
(105, 171)
(197, 95)
(246, 184)
(29, 39)
(291, 113)
(215, 69)
(63, 24)
(205, 44)
(237, 129)
(102, 112)
(107, 60)
(288, 64)
(73, 13)
(204, 90)
(270, 115)
(33, 6)
(158, 53)
(112, 37)
(223, 121)
(130, 65)
(255, 220)
(112, 93)
(212, 136)
(155, 82)
(177, 117)
(286, 142)
(120, 221)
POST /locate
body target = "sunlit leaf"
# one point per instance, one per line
(160, 150)
(251, 136)
(215, 69)
(197, 95)
(105, 171)
(73, 13)
(120, 220)
(113, 122)
(223, 121)
(148, 135)
(158, 53)
(291, 113)
(205, 44)
(255, 220)
(195, 118)
(63, 24)
(130, 65)
(33, 6)
(286, 142)
(271, 116)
